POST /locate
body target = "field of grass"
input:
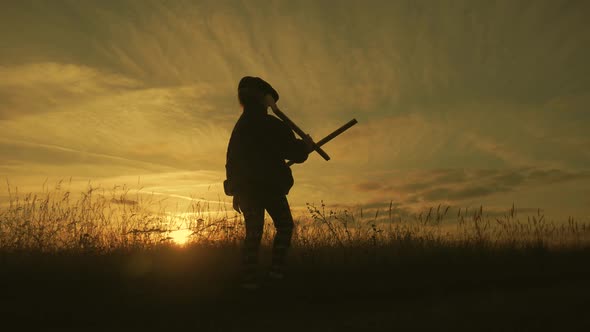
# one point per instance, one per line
(111, 259)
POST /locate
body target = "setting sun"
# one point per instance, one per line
(181, 236)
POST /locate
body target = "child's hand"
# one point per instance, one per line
(236, 204)
(309, 143)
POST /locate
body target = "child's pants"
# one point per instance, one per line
(253, 209)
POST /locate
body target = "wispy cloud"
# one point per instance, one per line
(45, 87)
(456, 185)
(113, 115)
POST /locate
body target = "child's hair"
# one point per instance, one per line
(251, 90)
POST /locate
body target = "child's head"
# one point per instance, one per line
(251, 91)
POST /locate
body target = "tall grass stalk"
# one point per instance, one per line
(104, 220)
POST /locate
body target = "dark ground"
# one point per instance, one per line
(196, 289)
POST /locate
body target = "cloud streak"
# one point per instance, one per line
(454, 186)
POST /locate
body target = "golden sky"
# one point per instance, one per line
(459, 102)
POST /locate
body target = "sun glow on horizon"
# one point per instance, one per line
(181, 236)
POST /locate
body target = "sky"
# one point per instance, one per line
(461, 103)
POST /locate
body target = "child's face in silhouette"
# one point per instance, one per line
(252, 97)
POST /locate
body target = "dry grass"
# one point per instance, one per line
(108, 258)
(101, 220)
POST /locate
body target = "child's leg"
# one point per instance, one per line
(254, 218)
(280, 212)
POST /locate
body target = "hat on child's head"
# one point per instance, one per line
(250, 88)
